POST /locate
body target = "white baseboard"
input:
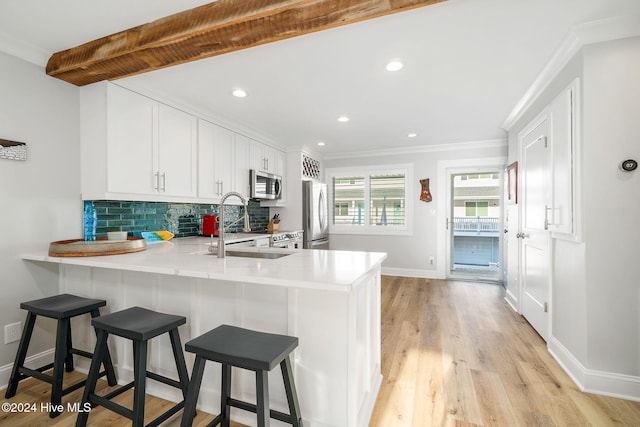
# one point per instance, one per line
(593, 381)
(33, 362)
(410, 272)
(511, 299)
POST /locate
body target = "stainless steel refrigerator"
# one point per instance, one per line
(315, 215)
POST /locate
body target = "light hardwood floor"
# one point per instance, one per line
(453, 354)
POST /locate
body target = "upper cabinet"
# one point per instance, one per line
(134, 148)
(177, 139)
(263, 157)
(242, 164)
(215, 167)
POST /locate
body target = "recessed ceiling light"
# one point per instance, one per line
(412, 135)
(239, 93)
(321, 144)
(343, 119)
(394, 65)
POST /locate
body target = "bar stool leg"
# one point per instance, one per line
(225, 395)
(139, 378)
(292, 395)
(12, 387)
(58, 365)
(193, 392)
(108, 364)
(181, 365)
(68, 361)
(92, 377)
(262, 398)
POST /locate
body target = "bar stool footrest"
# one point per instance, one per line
(276, 415)
(164, 380)
(117, 391)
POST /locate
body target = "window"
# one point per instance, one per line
(348, 200)
(476, 208)
(369, 201)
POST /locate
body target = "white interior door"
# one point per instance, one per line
(534, 233)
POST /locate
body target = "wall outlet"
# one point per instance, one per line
(431, 260)
(12, 332)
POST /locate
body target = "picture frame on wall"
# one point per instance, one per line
(512, 183)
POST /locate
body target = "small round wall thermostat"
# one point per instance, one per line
(629, 165)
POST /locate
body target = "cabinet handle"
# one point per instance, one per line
(157, 186)
(546, 217)
(164, 182)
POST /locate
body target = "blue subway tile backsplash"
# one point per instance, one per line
(181, 219)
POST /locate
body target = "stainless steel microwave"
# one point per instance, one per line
(265, 185)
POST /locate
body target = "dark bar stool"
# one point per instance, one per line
(61, 307)
(139, 325)
(243, 348)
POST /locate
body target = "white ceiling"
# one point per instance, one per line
(467, 63)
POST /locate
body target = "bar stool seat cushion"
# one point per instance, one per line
(137, 323)
(62, 306)
(243, 348)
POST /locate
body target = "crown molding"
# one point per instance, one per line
(579, 36)
(23, 50)
(471, 145)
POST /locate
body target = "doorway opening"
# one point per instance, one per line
(475, 225)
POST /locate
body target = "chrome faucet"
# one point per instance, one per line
(246, 228)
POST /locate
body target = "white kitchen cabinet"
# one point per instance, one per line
(135, 148)
(242, 165)
(131, 137)
(215, 161)
(263, 157)
(176, 153)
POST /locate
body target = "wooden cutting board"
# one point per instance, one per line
(98, 247)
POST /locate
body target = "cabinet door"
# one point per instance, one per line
(256, 158)
(176, 152)
(131, 138)
(563, 115)
(242, 165)
(263, 157)
(215, 160)
(223, 159)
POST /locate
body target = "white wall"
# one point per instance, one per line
(409, 255)
(39, 197)
(611, 205)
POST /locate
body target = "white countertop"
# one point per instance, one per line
(306, 268)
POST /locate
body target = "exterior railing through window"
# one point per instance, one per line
(476, 224)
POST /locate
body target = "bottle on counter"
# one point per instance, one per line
(89, 221)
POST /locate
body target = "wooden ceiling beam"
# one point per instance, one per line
(209, 30)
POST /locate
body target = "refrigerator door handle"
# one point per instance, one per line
(322, 211)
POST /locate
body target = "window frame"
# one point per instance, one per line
(367, 172)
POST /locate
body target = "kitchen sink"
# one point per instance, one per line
(261, 254)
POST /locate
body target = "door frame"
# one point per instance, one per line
(447, 168)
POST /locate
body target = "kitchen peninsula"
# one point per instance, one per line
(329, 299)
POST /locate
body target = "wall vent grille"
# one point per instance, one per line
(310, 167)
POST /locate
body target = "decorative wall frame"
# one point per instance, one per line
(512, 183)
(13, 150)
